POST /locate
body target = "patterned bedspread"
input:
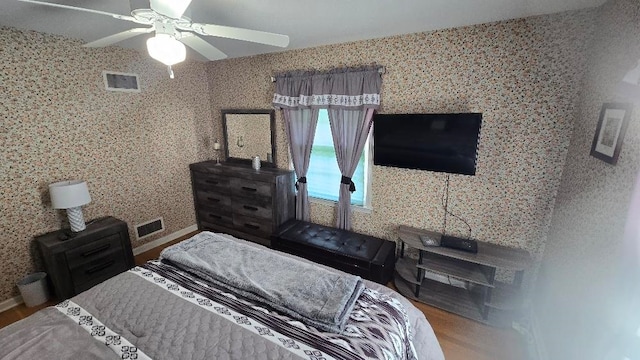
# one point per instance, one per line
(378, 327)
(157, 311)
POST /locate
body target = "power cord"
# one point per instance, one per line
(445, 205)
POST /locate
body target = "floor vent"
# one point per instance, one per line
(149, 228)
(116, 81)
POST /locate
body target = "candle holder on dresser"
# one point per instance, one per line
(216, 148)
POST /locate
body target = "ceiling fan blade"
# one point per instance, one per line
(198, 44)
(117, 16)
(115, 38)
(241, 34)
(171, 8)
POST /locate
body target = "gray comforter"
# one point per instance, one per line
(159, 316)
(318, 297)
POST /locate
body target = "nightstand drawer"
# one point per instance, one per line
(98, 269)
(89, 252)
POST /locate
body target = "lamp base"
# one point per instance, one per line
(76, 220)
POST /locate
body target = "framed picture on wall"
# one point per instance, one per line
(612, 125)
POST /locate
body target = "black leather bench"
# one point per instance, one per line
(366, 256)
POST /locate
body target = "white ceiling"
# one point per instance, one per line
(308, 23)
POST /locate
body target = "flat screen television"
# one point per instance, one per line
(436, 142)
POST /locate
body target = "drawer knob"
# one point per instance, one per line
(100, 267)
(252, 226)
(252, 208)
(212, 182)
(96, 250)
(215, 216)
(213, 199)
(245, 188)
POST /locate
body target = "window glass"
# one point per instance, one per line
(324, 175)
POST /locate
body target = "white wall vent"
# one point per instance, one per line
(149, 228)
(117, 81)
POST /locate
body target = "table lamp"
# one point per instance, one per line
(71, 195)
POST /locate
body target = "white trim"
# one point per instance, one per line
(11, 303)
(165, 239)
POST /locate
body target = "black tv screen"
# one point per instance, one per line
(436, 142)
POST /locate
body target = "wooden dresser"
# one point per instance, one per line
(240, 201)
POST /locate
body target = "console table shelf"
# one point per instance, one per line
(461, 270)
(482, 298)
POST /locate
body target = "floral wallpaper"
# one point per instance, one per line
(583, 278)
(59, 123)
(134, 149)
(523, 75)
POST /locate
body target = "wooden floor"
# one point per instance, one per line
(460, 338)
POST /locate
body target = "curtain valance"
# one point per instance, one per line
(352, 88)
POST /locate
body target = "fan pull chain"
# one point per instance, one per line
(170, 72)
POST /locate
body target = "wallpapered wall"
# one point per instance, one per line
(58, 122)
(583, 277)
(523, 75)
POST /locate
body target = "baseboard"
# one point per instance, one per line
(11, 302)
(164, 240)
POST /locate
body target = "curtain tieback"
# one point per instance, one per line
(302, 180)
(347, 181)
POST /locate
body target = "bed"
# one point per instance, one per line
(211, 297)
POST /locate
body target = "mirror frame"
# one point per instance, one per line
(272, 125)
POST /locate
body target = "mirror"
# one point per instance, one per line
(248, 133)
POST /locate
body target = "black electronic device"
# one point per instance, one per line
(453, 242)
(436, 142)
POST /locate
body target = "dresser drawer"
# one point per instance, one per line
(215, 216)
(252, 225)
(214, 200)
(89, 252)
(98, 270)
(211, 182)
(248, 188)
(252, 208)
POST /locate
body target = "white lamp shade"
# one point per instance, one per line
(69, 194)
(166, 49)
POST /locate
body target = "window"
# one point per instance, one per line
(324, 175)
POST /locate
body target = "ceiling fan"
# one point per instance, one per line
(173, 29)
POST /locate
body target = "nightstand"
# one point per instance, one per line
(93, 255)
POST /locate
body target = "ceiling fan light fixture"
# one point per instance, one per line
(166, 49)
